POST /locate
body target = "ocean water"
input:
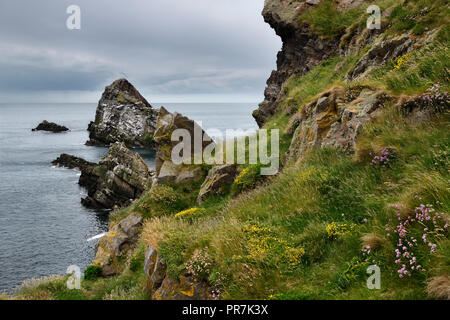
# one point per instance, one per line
(43, 226)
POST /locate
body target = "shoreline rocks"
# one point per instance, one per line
(123, 115)
(118, 179)
(50, 127)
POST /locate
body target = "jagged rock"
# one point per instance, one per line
(118, 241)
(123, 115)
(122, 177)
(302, 50)
(116, 180)
(166, 170)
(87, 178)
(155, 269)
(72, 162)
(218, 180)
(330, 120)
(180, 174)
(160, 286)
(185, 288)
(381, 53)
(50, 126)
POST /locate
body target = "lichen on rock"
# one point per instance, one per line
(332, 121)
(118, 241)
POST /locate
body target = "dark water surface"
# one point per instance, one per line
(43, 226)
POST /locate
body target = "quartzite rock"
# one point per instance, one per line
(123, 115)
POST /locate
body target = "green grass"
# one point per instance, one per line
(296, 206)
(326, 20)
(268, 238)
(422, 68)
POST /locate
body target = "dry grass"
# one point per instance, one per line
(439, 287)
(373, 241)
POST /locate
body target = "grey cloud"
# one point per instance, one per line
(163, 46)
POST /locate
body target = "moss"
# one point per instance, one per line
(92, 272)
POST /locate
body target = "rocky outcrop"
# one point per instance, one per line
(217, 182)
(335, 119)
(122, 177)
(87, 178)
(116, 180)
(302, 50)
(117, 242)
(50, 126)
(166, 170)
(155, 269)
(381, 53)
(123, 115)
(161, 286)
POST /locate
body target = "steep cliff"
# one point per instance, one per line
(302, 49)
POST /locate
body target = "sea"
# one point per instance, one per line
(43, 226)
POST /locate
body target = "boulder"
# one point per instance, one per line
(160, 286)
(122, 177)
(155, 269)
(123, 115)
(219, 179)
(117, 242)
(116, 180)
(333, 121)
(166, 170)
(50, 126)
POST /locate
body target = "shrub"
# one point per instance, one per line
(247, 179)
(337, 230)
(199, 265)
(411, 235)
(161, 200)
(137, 260)
(92, 272)
(384, 158)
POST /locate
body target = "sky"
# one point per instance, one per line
(171, 50)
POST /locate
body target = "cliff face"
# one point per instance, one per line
(301, 50)
(123, 115)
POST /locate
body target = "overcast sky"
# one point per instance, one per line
(171, 50)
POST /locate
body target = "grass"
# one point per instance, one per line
(326, 20)
(301, 233)
(418, 70)
(297, 206)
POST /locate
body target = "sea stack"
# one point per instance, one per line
(123, 115)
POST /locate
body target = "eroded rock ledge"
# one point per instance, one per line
(116, 180)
